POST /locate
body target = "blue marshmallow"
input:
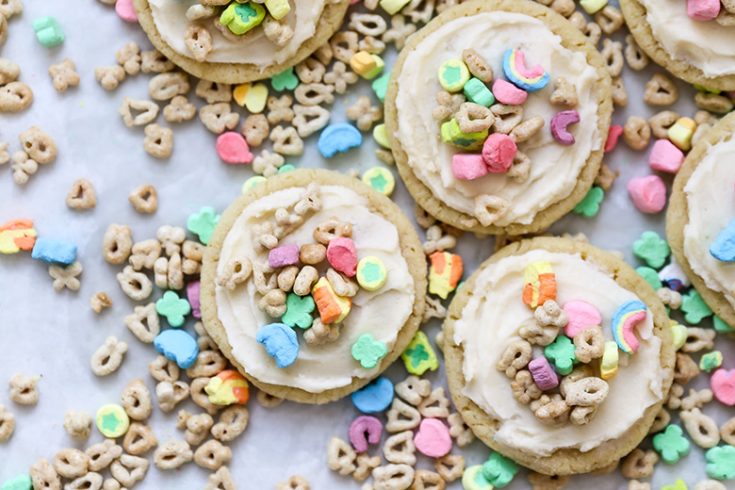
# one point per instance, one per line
(280, 343)
(375, 397)
(54, 251)
(177, 345)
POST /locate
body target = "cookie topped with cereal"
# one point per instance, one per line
(497, 112)
(576, 363)
(312, 285)
(229, 41)
(700, 221)
(692, 39)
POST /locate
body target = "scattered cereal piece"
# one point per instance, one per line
(722, 383)
(144, 199)
(48, 31)
(125, 10)
(365, 430)
(499, 470)
(64, 75)
(158, 141)
(671, 444)
(112, 421)
(652, 249)
(432, 438)
(100, 301)
(177, 345)
(419, 355)
(54, 251)
(23, 389)
(374, 397)
(78, 424)
(81, 195)
(228, 387)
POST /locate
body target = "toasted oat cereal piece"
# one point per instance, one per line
(136, 400)
(66, 277)
(153, 61)
(43, 475)
(287, 141)
(129, 469)
(136, 285)
(9, 71)
(170, 394)
(102, 454)
(108, 358)
(158, 141)
(139, 439)
(7, 424)
(3, 29)
(23, 167)
(218, 117)
(220, 480)
(129, 58)
(179, 109)
(71, 463)
(117, 243)
(78, 424)
(15, 97)
(144, 199)
(100, 301)
(138, 112)
(81, 195)
(267, 400)
(166, 86)
(172, 455)
(364, 113)
(634, 55)
(660, 91)
(212, 455)
(23, 389)
(9, 8)
(399, 31)
(295, 482)
(340, 456)
(38, 145)
(64, 75)
(109, 77)
(619, 93)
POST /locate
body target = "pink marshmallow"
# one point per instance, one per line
(703, 10)
(192, 294)
(507, 93)
(648, 193)
(543, 374)
(342, 255)
(365, 430)
(433, 438)
(581, 315)
(613, 135)
(233, 149)
(468, 166)
(283, 256)
(665, 157)
(125, 10)
(498, 153)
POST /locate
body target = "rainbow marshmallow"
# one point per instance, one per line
(624, 322)
(539, 284)
(528, 79)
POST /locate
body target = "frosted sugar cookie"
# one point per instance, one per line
(700, 221)
(497, 114)
(695, 45)
(235, 42)
(574, 366)
(312, 284)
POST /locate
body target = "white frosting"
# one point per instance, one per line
(708, 46)
(491, 319)
(710, 194)
(554, 167)
(381, 313)
(171, 22)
